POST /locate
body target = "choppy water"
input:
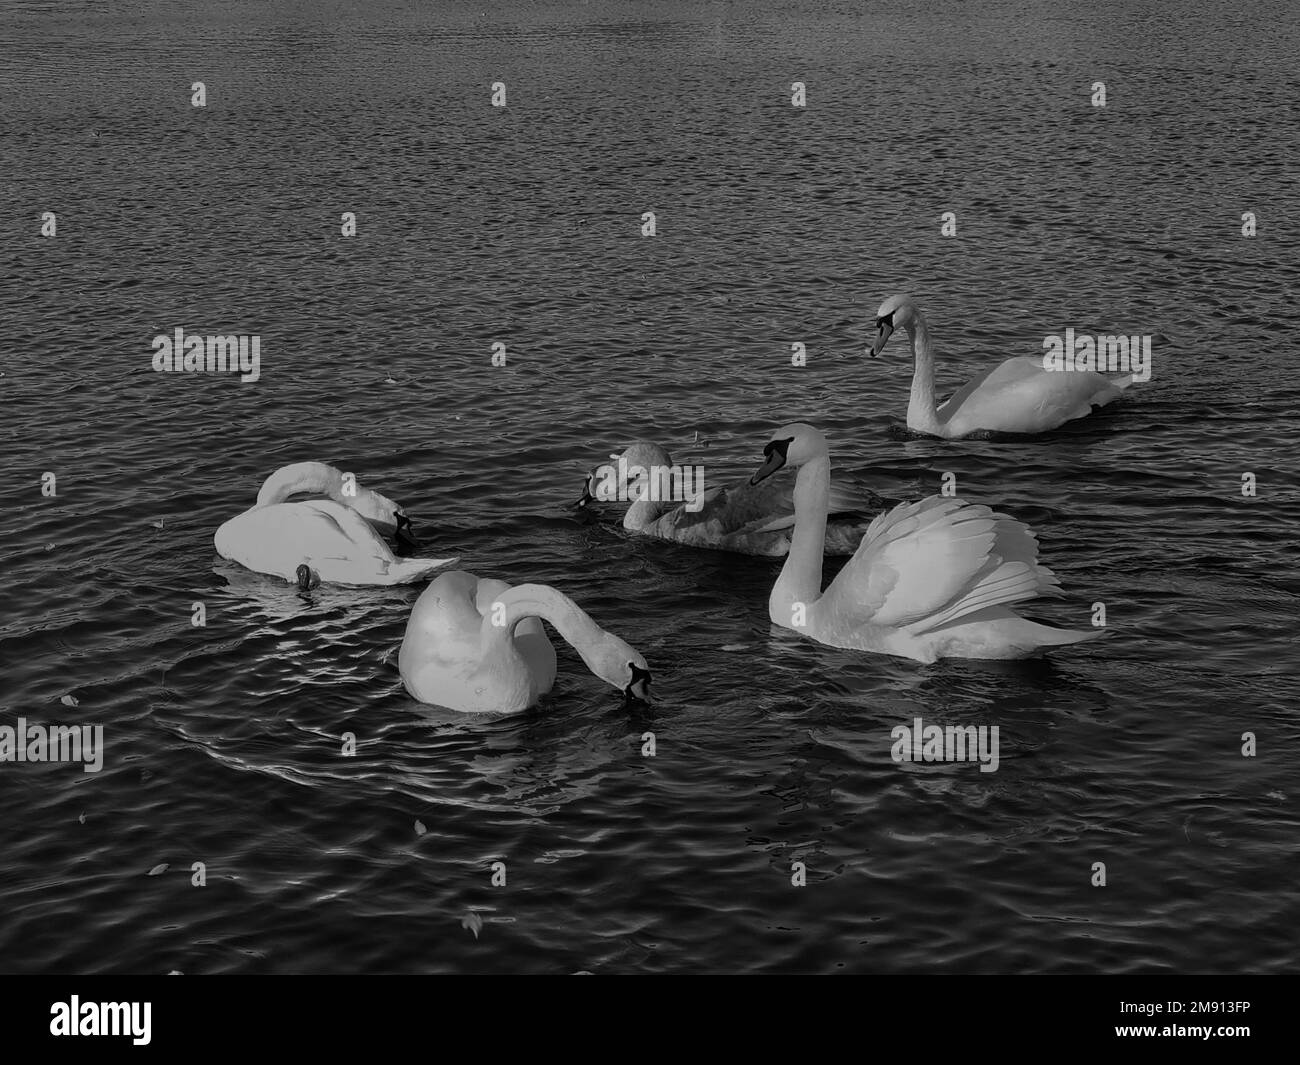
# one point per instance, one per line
(521, 225)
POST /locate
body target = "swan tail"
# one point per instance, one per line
(1051, 636)
(1027, 636)
(410, 570)
(999, 633)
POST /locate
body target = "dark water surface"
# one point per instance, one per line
(522, 225)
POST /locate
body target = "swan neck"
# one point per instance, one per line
(644, 513)
(540, 601)
(308, 478)
(801, 576)
(922, 413)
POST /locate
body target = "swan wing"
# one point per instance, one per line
(748, 509)
(342, 532)
(278, 538)
(848, 499)
(926, 564)
(722, 511)
(995, 377)
(1010, 574)
(353, 553)
(1020, 396)
(911, 563)
(851, 496)
(330, 538)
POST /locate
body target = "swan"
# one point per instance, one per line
(742, 518)
(1017, 396)
(318, 540)
(932, 579)
(478, 645)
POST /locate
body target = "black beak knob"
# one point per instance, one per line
(405, 535)
(639, 676)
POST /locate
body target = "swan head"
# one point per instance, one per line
(791, 445)
(619, 665)
(608, 481)
(377, 509)
(387, 516)
(897, 312)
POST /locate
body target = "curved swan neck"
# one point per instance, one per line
(801, 576)
(539, 601)
(651, 468)
(314, 478)
(645, 512)
(922, 414)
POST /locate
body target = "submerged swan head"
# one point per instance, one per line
(791, 445)
(897, 312)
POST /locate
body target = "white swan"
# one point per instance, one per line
(932, 579)
(1016, 396)
(322, 539)
(479, 646)
(743, 518)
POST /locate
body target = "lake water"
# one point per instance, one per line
(522, 225)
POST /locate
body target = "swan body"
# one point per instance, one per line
(1017, 396)
(478, 645)
(744, 518)
(334, 539)
(931, 579)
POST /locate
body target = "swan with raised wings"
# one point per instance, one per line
(314, 540)
(1017, 396)
(478, 645)
(932, 579)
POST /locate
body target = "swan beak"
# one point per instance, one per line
(307, 580)
(886, 331)
(586, 496)
(775, 460)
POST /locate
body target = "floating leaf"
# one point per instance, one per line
(175, 972)
(70, 700)
(420, 830)
(158, 869)
(82, 818)
(473, 922)
(158, 524)
(49, 547)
